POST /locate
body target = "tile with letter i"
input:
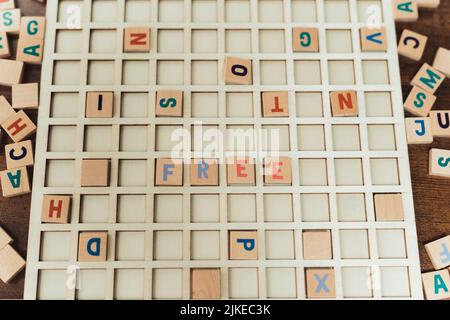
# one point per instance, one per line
(30, 50)
(4, 45)
(10, 21)
(305, 40)
(275, 104)
(412, 44)
(169, 172)
(436, 285)
(15, 182)
(137, 39)
(92, 246)
(241, 171)
(405, 10)
(344, 104)
(428, 78)
(55, 209)
(243, 245)
(19, 154)
(99, 104)
(440, 123)
(205, 284)
(32, 27)
(373, 39)
(277, 171)
(439, 252)
(19, 126)
(320, 283)
(418, 130)
(204, 172)
(238, 71)
(169, 103)
(439, 163)
(419, 102)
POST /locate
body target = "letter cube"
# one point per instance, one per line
(442, 61)
(419, 102)
(436, 285)
(32, 27)
(5, 51)
(10, 21)
(25, 96)
(15, 182)
(204, 172)
(11, 263)
(241, 171)
(6, 111)
(440, 123)
(55, 209)
(275, 104)
(412, 44)
(428, 78)
(205, 284)
(94, 173)
(169, 172)
(243, 245)
(137, 39)
(238, 71)
(418, 130)
(7, 4)
(92, 246)
(305, 40)
(344, 103)
(373, 39)
(19, 154)
(320, 283)
(99, 104)
(439, 252)
(19, 126)
(277, 171)
(30, 50)
(5, 239)
(439, 163)
(317, 245)
(405, 10)
(169, 103)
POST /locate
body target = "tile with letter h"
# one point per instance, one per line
(243, 245)
(241, 171)
(55, 209)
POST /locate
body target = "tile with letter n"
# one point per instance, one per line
(137, 39)
(428, 78)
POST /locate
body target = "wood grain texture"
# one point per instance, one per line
(431, 195)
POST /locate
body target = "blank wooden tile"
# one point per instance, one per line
(11, 263)
(419, 102)
(412, 44)
(5, 51)
(439, 163)
(5, 239)
(320, 283)
(243, 245)
(317, 245)
(19, 154)
(169, 103)
(305, 39)
(436, 285)
(19, 126)
(442, 61)
(275, 104)
(7, 4)
(10, 72)
(55, 209)
(10, 20)
(204, 172)
(94, 173)
(25, 96)
(30, 50)
(99, 104)
(344, 103)
(238, 71)
(439, 252)
(428, 78)
(15, 182)
(137, 39)
(241, 171)
(418, 130)
(205, 284)
(389, 207)
(405, 10)
(6, 111)
(440, 123)
(32, 27)
(92, 246)
(277, 171)
(373, 39)
(428, 3)
(169, 172)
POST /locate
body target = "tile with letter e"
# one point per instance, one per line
(99, 104)
(373, 39)
(320, 283)
(15, 182)
(169, 172)
(94, 172)
(275, 104)
(169, 103)
(277, 171)
(344, 103)
(305, 40)
(243, 245)
(204, 172)
(55, 209)
(205, 284)
(440, 123)
(92, 246)
(439, 163)
(238, 71)
(136, 39)
(428, 78)
(11, 72)
(241, 171)
(439, 252)
(419, 102)
(418, 130)
(436, 285)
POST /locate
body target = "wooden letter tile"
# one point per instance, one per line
(428, 4)
(344, 103)
(137, 39)
(412, 44)
(25, 96)
(419, 102)
(440, 123)
(389, 207)
(205, 284)
(169, 172)
(243, 245)
(10, 72)
(436, 285)
(418, 131)
(95, 173)
(5, 239)
(92, 246)
(439, 252)
(7, 4)
(30, 50)
(238, 71)
(5, 52)
(442, 61)
(275, 104)
(55, 209)
(373, 39)
(169, 103)
(320, 283)
(19, 154)
(305, 40)
(439, 163)
(19, 126)
(99, 104)
(277, 171)
(15, 182)
(405, 10)
(10, 21)
(33, 27)
(241, 171)
(11, 263)
(428, 78)
(204, 172)
(6, 111)
(317, 245)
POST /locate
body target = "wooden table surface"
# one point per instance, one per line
(431, 195)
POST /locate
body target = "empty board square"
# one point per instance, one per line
(170, 72)
(351, 207)
(273, 72)
(384, 171)
(391, 243)
(238, 41)
(170, 40)
(346, 138)
(241, 208)
(134, 105)
(205, 138)
(167, 283)
(375, 72)
(204, 72)
(204, 41)
(67, 73)
(171, 11)
(337, 11)
(370, 11)
(381, 137)
(309, 104)
(55, 246)
(104, 11)
(276, 138)
(204, 11)
(69, 41)
(205, 245)
(204, 104)
(164, 142)
(378, 104)
(132, 173)
(304, 11)
(92, 285)
(62, 139)
(97, 138)
(348, 172)
(131, 208)
(281, 283)
(205, 208)
(95, 208)
(395, 282)
(315, 207)
(243, 283)
(237, 11)
(240, 138)
(339, 41)
(101, 72)
(313, 172)
(280, 245)
(52, 285)
(133, 138)
(278, 208)
(66, 10)
(270, 11)
(130, 246)
(138, 10)
(356, 282)
(168, 208)
(354, 244)
(307, 72)
(168, 245)
(103, 41)
(129, 284)
(136, 72)
(64, 105)
(311, 137)
(271, 41)
(239, 104)
(341, 72)
(60, 173)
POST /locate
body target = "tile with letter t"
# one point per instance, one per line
(436, 285)
(439, 252)
(55, 209)
(243, 245)
(169, 103)
(205, 284)
(92, 246)
(15, 182)
(204, 172)
(275, 104)
(344, 104)
(241, 171)
(418, 131)
(169, 172)
(305, 40)
(277, 171)
(238, 71)
(439, 163)
(320, 283)
(30, 50)
(19, 154)
(419, 102)
(440, 123)
(99, 104)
